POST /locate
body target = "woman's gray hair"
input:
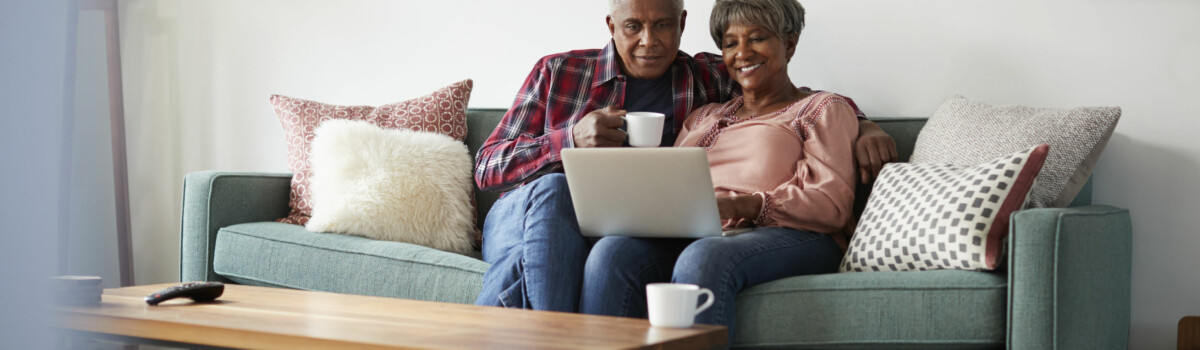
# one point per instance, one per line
(612, 5)
(785, 18)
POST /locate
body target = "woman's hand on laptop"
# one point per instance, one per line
(739, 206)
(600, 128)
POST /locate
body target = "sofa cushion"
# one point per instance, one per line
(283, 255)
(913, 309)
(392, 184)
(941, 216)
(965, 132)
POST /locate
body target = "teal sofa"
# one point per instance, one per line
(1066, 284)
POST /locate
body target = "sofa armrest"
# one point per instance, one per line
(216, 199)
(1069, 278)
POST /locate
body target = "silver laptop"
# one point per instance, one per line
(642, 192)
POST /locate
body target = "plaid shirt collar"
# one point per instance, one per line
(608, 67)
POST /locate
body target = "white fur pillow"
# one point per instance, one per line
(392, 184)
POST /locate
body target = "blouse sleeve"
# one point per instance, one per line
(820, 197)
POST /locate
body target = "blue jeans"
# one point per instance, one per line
(532, 240)
(619, 268)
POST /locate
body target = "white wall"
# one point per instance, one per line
(198, 75)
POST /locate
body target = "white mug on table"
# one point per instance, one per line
(644, 128)
(674, 304)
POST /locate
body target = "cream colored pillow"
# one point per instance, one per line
(392, 184)
(964, 132)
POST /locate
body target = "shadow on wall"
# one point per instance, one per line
(1127, 169)
(1154, 183)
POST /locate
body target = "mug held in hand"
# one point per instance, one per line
(644, 128)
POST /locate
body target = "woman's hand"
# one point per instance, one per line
(872, 150)
(745, 206)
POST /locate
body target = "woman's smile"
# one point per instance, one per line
(748, 69)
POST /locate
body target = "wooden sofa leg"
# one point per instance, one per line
(1189, 333)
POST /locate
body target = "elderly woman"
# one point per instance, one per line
(782, 165)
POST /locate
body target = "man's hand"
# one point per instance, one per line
(872, 150)
(746, 206)
(600, 128)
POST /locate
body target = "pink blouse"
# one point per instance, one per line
(799, 159)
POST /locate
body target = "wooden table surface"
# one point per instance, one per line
(273, 318)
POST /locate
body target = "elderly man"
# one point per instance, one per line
(576, 99)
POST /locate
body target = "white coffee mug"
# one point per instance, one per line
(644, 128)
(674, 304)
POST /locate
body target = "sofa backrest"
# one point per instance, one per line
(481, 122)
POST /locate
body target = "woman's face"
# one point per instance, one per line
(755, 57)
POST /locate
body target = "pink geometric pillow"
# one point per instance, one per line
(444, 111)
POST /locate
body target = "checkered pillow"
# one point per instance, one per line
(937, 216)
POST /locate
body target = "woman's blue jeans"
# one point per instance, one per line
(532, 240)
(619, 268)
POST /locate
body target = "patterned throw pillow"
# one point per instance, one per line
(937, 216)
(444, 111)
(964, 132)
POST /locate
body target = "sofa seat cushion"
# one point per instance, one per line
(866, 310)
(284, 255)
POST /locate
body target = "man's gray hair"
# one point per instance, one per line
(612, 5)
(783, 17)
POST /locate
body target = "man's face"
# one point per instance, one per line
(646, 33)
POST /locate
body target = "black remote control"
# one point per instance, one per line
(197, 291)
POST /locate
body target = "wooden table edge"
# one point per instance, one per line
(83, 319)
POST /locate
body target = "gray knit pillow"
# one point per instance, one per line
(964, 132)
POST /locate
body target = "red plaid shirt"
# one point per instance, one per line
(564, 87)
(561, 89)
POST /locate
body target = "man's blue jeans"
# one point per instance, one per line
(619, 268)
(532, 240)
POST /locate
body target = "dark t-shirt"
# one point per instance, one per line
(652, 95)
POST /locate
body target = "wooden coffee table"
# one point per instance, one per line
(273, 318)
